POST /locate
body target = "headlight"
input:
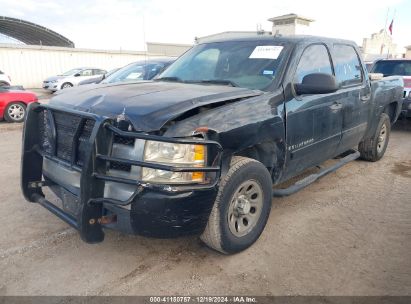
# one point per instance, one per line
(184, 155)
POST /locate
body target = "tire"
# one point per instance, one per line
(66, 85)
(15, 112)
(373, 149)
(4, 84)
(226, 230)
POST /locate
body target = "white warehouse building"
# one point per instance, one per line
(29, 65)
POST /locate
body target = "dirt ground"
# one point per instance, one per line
(347, 234)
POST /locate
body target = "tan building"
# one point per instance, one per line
(408, 52)
(291, 24)
(379, 45)
(167, 49)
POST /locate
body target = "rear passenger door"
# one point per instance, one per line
(314, 121)
(355, 93)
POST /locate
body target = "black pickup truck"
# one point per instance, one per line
(199, 149)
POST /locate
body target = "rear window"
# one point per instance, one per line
(391, 67)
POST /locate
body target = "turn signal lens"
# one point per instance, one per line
(199, 156)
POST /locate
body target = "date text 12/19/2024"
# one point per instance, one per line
(203, 299)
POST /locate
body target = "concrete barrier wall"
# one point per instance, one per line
(29, 65)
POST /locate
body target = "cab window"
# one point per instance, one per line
(315, 59)
(347, 65)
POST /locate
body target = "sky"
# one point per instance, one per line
(128, 24)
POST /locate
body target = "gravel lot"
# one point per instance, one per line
(347, 234)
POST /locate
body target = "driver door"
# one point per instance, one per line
(314, 121)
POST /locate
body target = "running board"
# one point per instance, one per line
(302, 183)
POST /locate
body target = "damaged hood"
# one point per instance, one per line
(147, 105)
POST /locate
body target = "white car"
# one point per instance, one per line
(71, 78)
(4, 80)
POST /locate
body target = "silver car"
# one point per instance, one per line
(71, 78)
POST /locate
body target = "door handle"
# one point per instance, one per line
(336, 105)
(365, 97)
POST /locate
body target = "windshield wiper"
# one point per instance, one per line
(174, 79)
(217, 81)
(210, 81)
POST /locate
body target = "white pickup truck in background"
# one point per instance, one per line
(397, 67)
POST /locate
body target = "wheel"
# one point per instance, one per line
(373, 149)
(66, 85)
(242, 207)
(4, 84)
(15, 112)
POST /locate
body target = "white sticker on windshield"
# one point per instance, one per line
(266, 52)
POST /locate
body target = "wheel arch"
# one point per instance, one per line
(66, 82)
(25, 103)
(269, 153)
(392, 110)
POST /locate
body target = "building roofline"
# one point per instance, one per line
(31, 33)
(289, 16)
(74, 50)
(165, 43)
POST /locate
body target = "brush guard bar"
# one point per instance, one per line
(94, 169)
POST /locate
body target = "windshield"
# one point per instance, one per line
(135, 71)
(392, 67)
(247, 64)
(71, 72)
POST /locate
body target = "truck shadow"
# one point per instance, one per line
(403, 124)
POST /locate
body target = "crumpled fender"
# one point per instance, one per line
(253, 122)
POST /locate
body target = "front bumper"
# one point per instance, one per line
(149, 209)
(51, 86)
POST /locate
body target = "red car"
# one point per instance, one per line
(13, 104)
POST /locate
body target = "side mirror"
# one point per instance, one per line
(375, 76)
(77, 75)
(317, 83)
